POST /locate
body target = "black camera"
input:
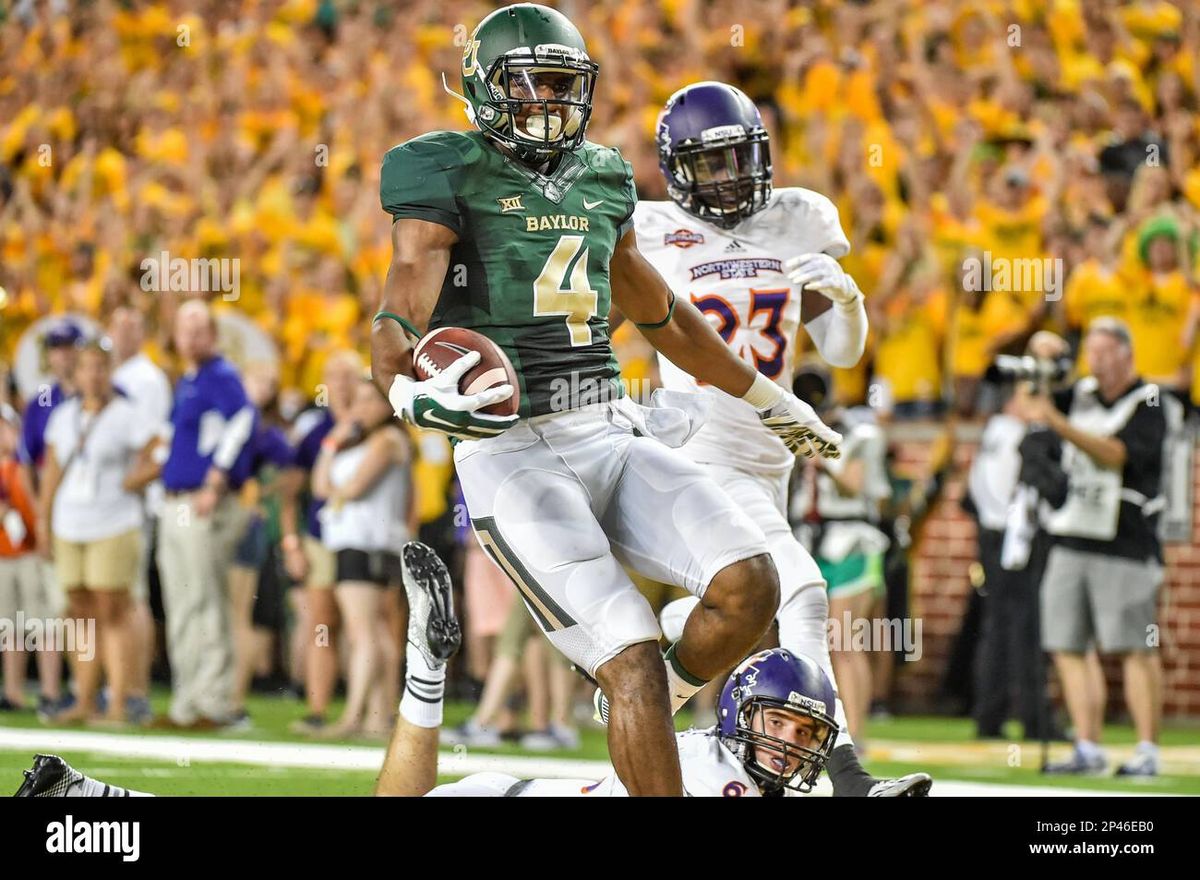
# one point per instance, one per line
(1042, 373)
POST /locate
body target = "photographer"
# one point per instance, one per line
(1010, 478)
(1105, 567)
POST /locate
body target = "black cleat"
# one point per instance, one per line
(51, 776)
(912, 785)
(432, 627)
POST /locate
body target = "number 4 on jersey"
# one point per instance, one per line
(578, 301)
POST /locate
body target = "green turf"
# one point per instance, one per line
(271, 717)
(926, 728)
(167, 778)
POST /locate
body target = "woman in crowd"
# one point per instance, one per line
(305, 557)
(364, 475)
(98, 458)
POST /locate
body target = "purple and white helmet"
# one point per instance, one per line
(714, 153)
(778, 679)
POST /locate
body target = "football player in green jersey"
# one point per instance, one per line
(522, 230)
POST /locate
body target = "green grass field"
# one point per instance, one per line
(942, 746)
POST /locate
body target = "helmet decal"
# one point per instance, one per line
(470, 60)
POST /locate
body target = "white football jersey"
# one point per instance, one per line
(709, 770)
(736, 278)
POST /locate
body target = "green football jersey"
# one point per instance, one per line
(530, 268)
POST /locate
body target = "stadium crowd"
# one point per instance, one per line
(1000, 167)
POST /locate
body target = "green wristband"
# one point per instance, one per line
(664, 321)
(407, 325)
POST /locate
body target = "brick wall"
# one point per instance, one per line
(940, 585)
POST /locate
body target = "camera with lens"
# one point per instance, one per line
(1041, 373)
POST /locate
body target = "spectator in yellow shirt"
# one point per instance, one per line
(1095, 288)
(911, 325)
(1161, 299)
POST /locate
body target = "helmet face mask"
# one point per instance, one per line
(538, 106)
(528, 82)
(722, 184)
(776, 763)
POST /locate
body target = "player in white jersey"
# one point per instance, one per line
(758, 263)
(774, 736)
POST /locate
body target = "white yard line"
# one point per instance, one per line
(183, 751)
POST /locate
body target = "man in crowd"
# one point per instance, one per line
(1009, 673)
(1105, 568)
(211, 422)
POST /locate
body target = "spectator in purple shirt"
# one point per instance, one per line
(209, 459)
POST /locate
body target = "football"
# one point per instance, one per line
(440, 348)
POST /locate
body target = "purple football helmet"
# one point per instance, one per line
(715, 153)
(778, 679)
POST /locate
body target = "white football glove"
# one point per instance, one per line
(437, 404)
(823, 274)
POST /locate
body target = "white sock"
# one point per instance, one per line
(1089, 749)
(681, 684)
(424, 688)
(88, 787)
(1145, 747)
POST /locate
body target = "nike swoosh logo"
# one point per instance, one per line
(589, 205)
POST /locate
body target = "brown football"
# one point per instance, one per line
(440, 348)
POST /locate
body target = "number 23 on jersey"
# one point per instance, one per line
(757, 337)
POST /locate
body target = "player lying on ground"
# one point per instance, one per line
(522, 230)
(774, 735)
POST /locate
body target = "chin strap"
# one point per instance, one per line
(470, 111)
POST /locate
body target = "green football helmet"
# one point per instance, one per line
(528, 81)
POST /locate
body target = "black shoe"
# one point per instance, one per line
(51, 776)
(912, 785)
(1078, 765)
(432, 627)
(309, 725)
(7, 705)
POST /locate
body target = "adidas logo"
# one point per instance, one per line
(734, 247)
